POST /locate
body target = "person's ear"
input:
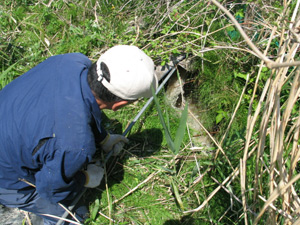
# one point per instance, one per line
(119, 105)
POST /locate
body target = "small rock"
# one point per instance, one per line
(14, 216)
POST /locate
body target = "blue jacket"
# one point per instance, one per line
(51, 106)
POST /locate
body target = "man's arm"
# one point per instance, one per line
(60, 177)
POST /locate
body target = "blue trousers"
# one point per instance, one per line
(29, 200)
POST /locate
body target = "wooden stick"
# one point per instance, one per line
(137, 187)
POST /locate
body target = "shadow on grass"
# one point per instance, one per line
(141, 144)
(185, 220)
(145, 143)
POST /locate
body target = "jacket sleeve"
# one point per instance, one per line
(99, 135)
(60, 177)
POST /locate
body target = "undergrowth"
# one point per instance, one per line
(167, 186)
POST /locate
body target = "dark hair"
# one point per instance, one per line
(97, 87)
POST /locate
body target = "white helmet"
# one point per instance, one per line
(131, 72)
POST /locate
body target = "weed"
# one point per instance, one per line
(173, 181)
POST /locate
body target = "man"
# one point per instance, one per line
(51, 122)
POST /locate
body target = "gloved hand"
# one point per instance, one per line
(94, 174)
(114, 142)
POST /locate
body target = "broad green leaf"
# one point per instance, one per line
(240, 75)
(219, 118)
(95, 209)
(177, 196)
(166, 130)
(181, 129)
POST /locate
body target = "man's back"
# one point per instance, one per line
(46, 103)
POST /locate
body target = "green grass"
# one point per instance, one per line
(154, 202)
(32, 31)
(149, 205)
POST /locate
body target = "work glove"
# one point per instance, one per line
(114, 142)
(94, 174)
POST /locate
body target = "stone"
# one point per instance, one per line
(14, 216)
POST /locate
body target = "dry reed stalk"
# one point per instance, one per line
(270, 63)
(60, 218)
(277, 210)
(275, 123)
(260, 149)
(197, 180)
(277, 127)
(204, 192)
(27, 217)
(250, 129)
(231, 194)
(110, 219)
(243, 187)
(152, 175)
(228, 180)
(277, 192)
(211, 137)
(295, 155)
(137, 187)
(212, 194)
(109, 202)
(234, 113)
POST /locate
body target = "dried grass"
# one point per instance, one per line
(278, 138)
(272, 137)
